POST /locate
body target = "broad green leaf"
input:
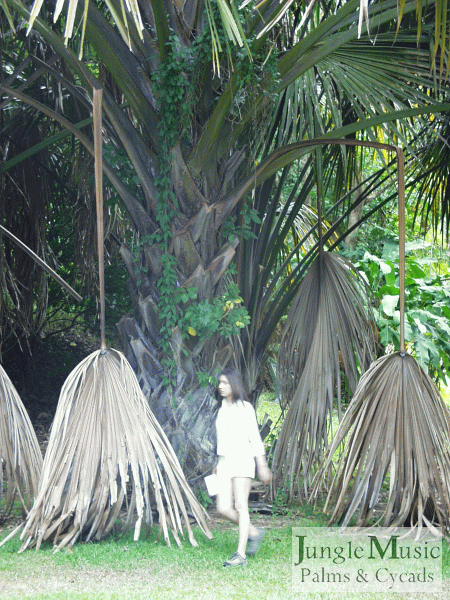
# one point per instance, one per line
(414, 270)
(384, 266)
(421, 327)
(416, 245)
(389, 290)
(396, 321)
(390, 251)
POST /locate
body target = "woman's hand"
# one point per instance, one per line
(262, 469)
(264, 474)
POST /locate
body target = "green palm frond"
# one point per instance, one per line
(20, 455)
(282, 9)
(41, 263)
(303, 233)
(107, 454)
(430, 175)
(124, 19)
(328, 329)
(396, 426)
(8, 15)
(72, 9)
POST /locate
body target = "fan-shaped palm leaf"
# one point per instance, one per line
(396, 424)
(327, 329)
(107, 451)
(430, 174)
(401, 426)
(20, 456)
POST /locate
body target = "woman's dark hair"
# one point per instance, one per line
(236, 384)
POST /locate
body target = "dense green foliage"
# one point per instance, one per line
(427, 302)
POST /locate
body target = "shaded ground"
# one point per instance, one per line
(38, 377)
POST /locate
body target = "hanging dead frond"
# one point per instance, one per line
(107, 457)
(20, 456)
(401, 428)
(333, 297)
(328, 330)
(396, 427)
(106, 449)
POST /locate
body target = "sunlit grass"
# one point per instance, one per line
(119, 568)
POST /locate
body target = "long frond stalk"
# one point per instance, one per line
(42, 264)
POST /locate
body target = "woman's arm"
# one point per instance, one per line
(262, 468)
(252, 429)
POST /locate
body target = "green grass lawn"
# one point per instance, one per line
(119, 568)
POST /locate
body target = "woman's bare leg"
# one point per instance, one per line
(241, 491)
(225, 502)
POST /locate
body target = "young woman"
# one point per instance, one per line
(239, 447)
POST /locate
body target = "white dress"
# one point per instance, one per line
(238, 440)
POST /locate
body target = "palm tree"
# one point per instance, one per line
(210, 151)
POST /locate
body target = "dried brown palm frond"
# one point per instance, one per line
(108, 455)
(401, 428)
(328, 330)
(20, 456)
(333, 295)
(396, 427)
(106, 450)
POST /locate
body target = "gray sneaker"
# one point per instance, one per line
(236, 561)
(255, 544)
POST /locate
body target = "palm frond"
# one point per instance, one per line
(401, 426)
(20, 455)
(328, 329)
(397, 426)
(41, 263)
(72, 7)
(107, 453)
(429, 175)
